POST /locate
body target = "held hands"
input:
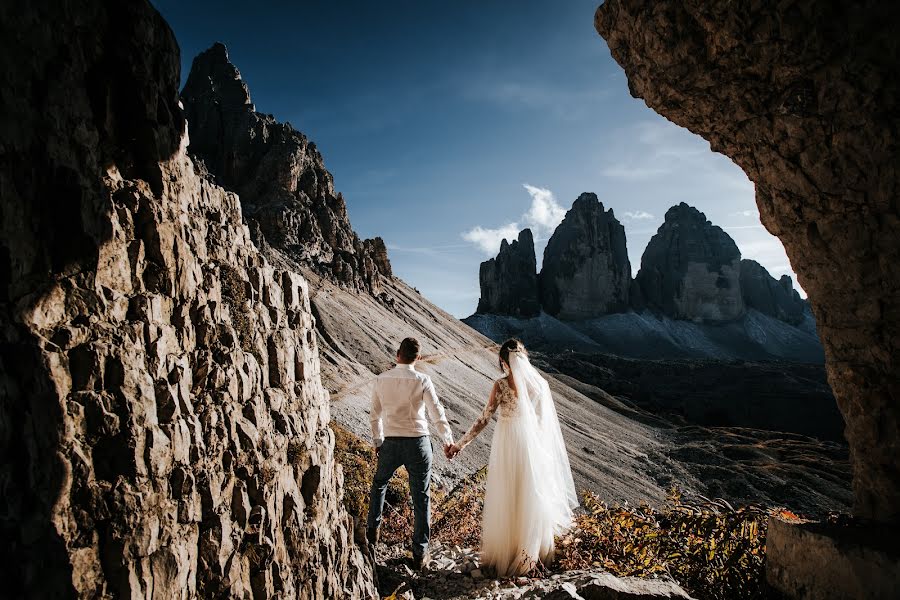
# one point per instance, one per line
(451, 450)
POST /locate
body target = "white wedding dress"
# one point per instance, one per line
(530, 494)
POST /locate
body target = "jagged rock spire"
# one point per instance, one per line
(279, 174)
(509, 282)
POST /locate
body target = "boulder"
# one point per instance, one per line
(279, 174)
(509, 283)
(827, 561)
(585, 271)
(803, 96)
(163, 427)
(776, 298)
(691, 269)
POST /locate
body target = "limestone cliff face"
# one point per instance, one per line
(691, 269)
(163, 428)
(776, 298)
(804, 97)
(509, 283)
(279, 175)
(585, 271)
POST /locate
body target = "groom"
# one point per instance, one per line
(400, 398)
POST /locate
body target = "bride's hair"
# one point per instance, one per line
(510, 345)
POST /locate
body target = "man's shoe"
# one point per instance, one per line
(420, 562)
(372, 536)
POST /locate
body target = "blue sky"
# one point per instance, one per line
(449, 125)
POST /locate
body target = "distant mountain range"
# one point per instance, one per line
(693, 297)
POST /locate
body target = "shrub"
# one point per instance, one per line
(234, 295)
(457, 517)
(712, 549)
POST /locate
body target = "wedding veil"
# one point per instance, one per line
(539, 412)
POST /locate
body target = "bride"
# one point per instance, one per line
(530, 494)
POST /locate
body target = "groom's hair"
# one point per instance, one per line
(409, 350)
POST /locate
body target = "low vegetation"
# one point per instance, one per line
(713, 550)
(710, 548)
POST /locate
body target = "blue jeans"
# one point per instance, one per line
(414, 454)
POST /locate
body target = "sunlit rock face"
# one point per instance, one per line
(585, 271)
(279, 174)
(509, 283)
(691, 269)
(163, 428)
(804, 97)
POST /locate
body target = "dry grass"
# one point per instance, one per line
(710, 548)
(234, 294)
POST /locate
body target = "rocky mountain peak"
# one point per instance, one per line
(776, 298)
(213, 74)
(586, 271)
(509, 283)
(691, 269)
(279, 175)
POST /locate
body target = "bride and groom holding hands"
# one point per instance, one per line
(529, 493)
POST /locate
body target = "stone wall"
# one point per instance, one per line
(804, 97)
(163, 429)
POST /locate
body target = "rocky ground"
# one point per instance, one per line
(455, 573)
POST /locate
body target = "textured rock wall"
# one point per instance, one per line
(804, 97)
(585, 271)
(509, 283)
(163, 428)
(279, 175)
(691, 269)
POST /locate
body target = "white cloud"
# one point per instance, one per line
(542, 217)
(745, 213)
(488, 240)
(545, 212)
(638, 215)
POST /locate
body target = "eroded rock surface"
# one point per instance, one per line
(163, 428)
(776, 298)
(509, 283)
(691, 269)
(585, 271)
(279, 175)
(804, 97)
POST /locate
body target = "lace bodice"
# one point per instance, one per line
(506, 398)
(502, 397)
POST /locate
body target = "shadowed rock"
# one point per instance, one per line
(804, 97)
(279, 175)
(777, 299)
(509, 284)
(585, 271)
(161, 408)
(691, 269)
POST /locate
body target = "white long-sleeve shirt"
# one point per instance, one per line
(400, 398)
